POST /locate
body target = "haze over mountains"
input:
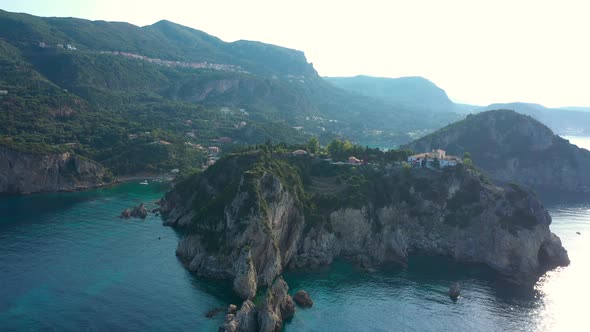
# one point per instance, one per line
(420, 93)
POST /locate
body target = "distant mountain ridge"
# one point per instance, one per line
(564, 121)
(514, 147)
(420, 93)
(413, 91)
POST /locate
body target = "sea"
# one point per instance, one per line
(69, 263)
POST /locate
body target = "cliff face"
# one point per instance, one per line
(252, 232)
(28, 173)
(514, 147)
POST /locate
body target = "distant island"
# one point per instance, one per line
(262, 210)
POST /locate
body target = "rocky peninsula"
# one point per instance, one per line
(256, 213)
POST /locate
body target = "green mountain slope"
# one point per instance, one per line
(514, 147)
(112, 91)
(414, 92)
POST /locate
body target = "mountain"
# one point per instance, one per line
(564, 121)
(113, 92)
(418, 93)
(513, 147)
(575, 108)
(412, 92)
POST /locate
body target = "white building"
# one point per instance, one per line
(428, 159)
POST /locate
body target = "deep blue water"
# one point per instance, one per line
(68, 263)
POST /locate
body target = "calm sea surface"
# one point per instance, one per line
(68, 263)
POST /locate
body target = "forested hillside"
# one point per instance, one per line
(155, 97)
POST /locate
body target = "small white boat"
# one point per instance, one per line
(144, 182)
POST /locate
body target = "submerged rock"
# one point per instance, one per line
(213, 312)
(303, 299)
(455, 291)
(126, 214)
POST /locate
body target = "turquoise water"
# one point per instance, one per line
(68, 263)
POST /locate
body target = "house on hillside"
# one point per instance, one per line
(299, 152)
(214, 149)
(354, 161)
(430, 159)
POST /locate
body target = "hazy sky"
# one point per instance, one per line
(478, 51)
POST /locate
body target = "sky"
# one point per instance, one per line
(479, 52)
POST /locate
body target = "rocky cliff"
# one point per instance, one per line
(31, 172)
(249, 217)
(514, 147)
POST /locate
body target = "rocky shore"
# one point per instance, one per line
(24, 173)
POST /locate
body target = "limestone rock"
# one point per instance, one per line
(303, 299)
(278, 306)
(138, 211)
(245, 276)
(262, 228)
(244, 320)
(22, 173)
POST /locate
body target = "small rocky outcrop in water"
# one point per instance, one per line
(278, 306)
(244, 320)
(303, 299)
(137, 212)
(455, 291)
(269, 316)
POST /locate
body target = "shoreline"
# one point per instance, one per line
(164, 178)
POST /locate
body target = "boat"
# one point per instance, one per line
(144, 182)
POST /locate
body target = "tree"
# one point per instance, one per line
(467, 159)
(313, 145)
(336, 149)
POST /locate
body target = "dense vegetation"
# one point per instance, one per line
(90, 101)
(320, 185)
